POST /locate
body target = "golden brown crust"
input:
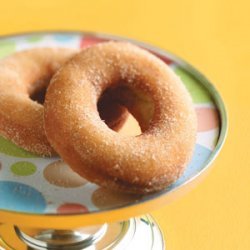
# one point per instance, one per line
(22, 74)
(151, 92)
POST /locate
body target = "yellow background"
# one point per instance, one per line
(212, 35)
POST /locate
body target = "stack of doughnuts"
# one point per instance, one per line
(89, 94)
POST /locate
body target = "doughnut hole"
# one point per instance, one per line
(38, 92)
(111, 112)
(139, 107)
(131, 127)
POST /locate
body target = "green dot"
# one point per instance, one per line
(34, 38)
(23, 168)
(215, 141)
(197, 91)
(6, 48)
(10, 148)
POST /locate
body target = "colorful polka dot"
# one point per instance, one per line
(10, 148)
(104, 198)
(23, 168)
(20, 197)
(72, 208)
(6, 48)
(215, 141)
(163, 58)
(60, 174)
(91, 40)
(198, 92)
(208, 118)
(63, 37)
(34, 38)
(200, 156)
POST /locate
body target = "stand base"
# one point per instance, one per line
(137, 233)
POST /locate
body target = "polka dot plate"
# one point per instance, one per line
(34, 185)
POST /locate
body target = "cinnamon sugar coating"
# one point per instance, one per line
(21, 75)
(151, 92)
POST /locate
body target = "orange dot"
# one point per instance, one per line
(104, 198)
(208, 118)
(72, 208)
(91, 40)
(60, 174)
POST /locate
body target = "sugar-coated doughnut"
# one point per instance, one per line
(23, 74)
(151, 92)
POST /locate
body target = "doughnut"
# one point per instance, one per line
(150, 91)
(23, 75)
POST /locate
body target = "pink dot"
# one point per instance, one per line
(163, 58)
(208, 118)
(91, 40)
(71, 208)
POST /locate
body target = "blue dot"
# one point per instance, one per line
(63, 38)
(21, 198)
(200, 156)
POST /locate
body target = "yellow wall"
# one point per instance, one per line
(214, 36)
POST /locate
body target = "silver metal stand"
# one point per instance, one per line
(137, 233)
